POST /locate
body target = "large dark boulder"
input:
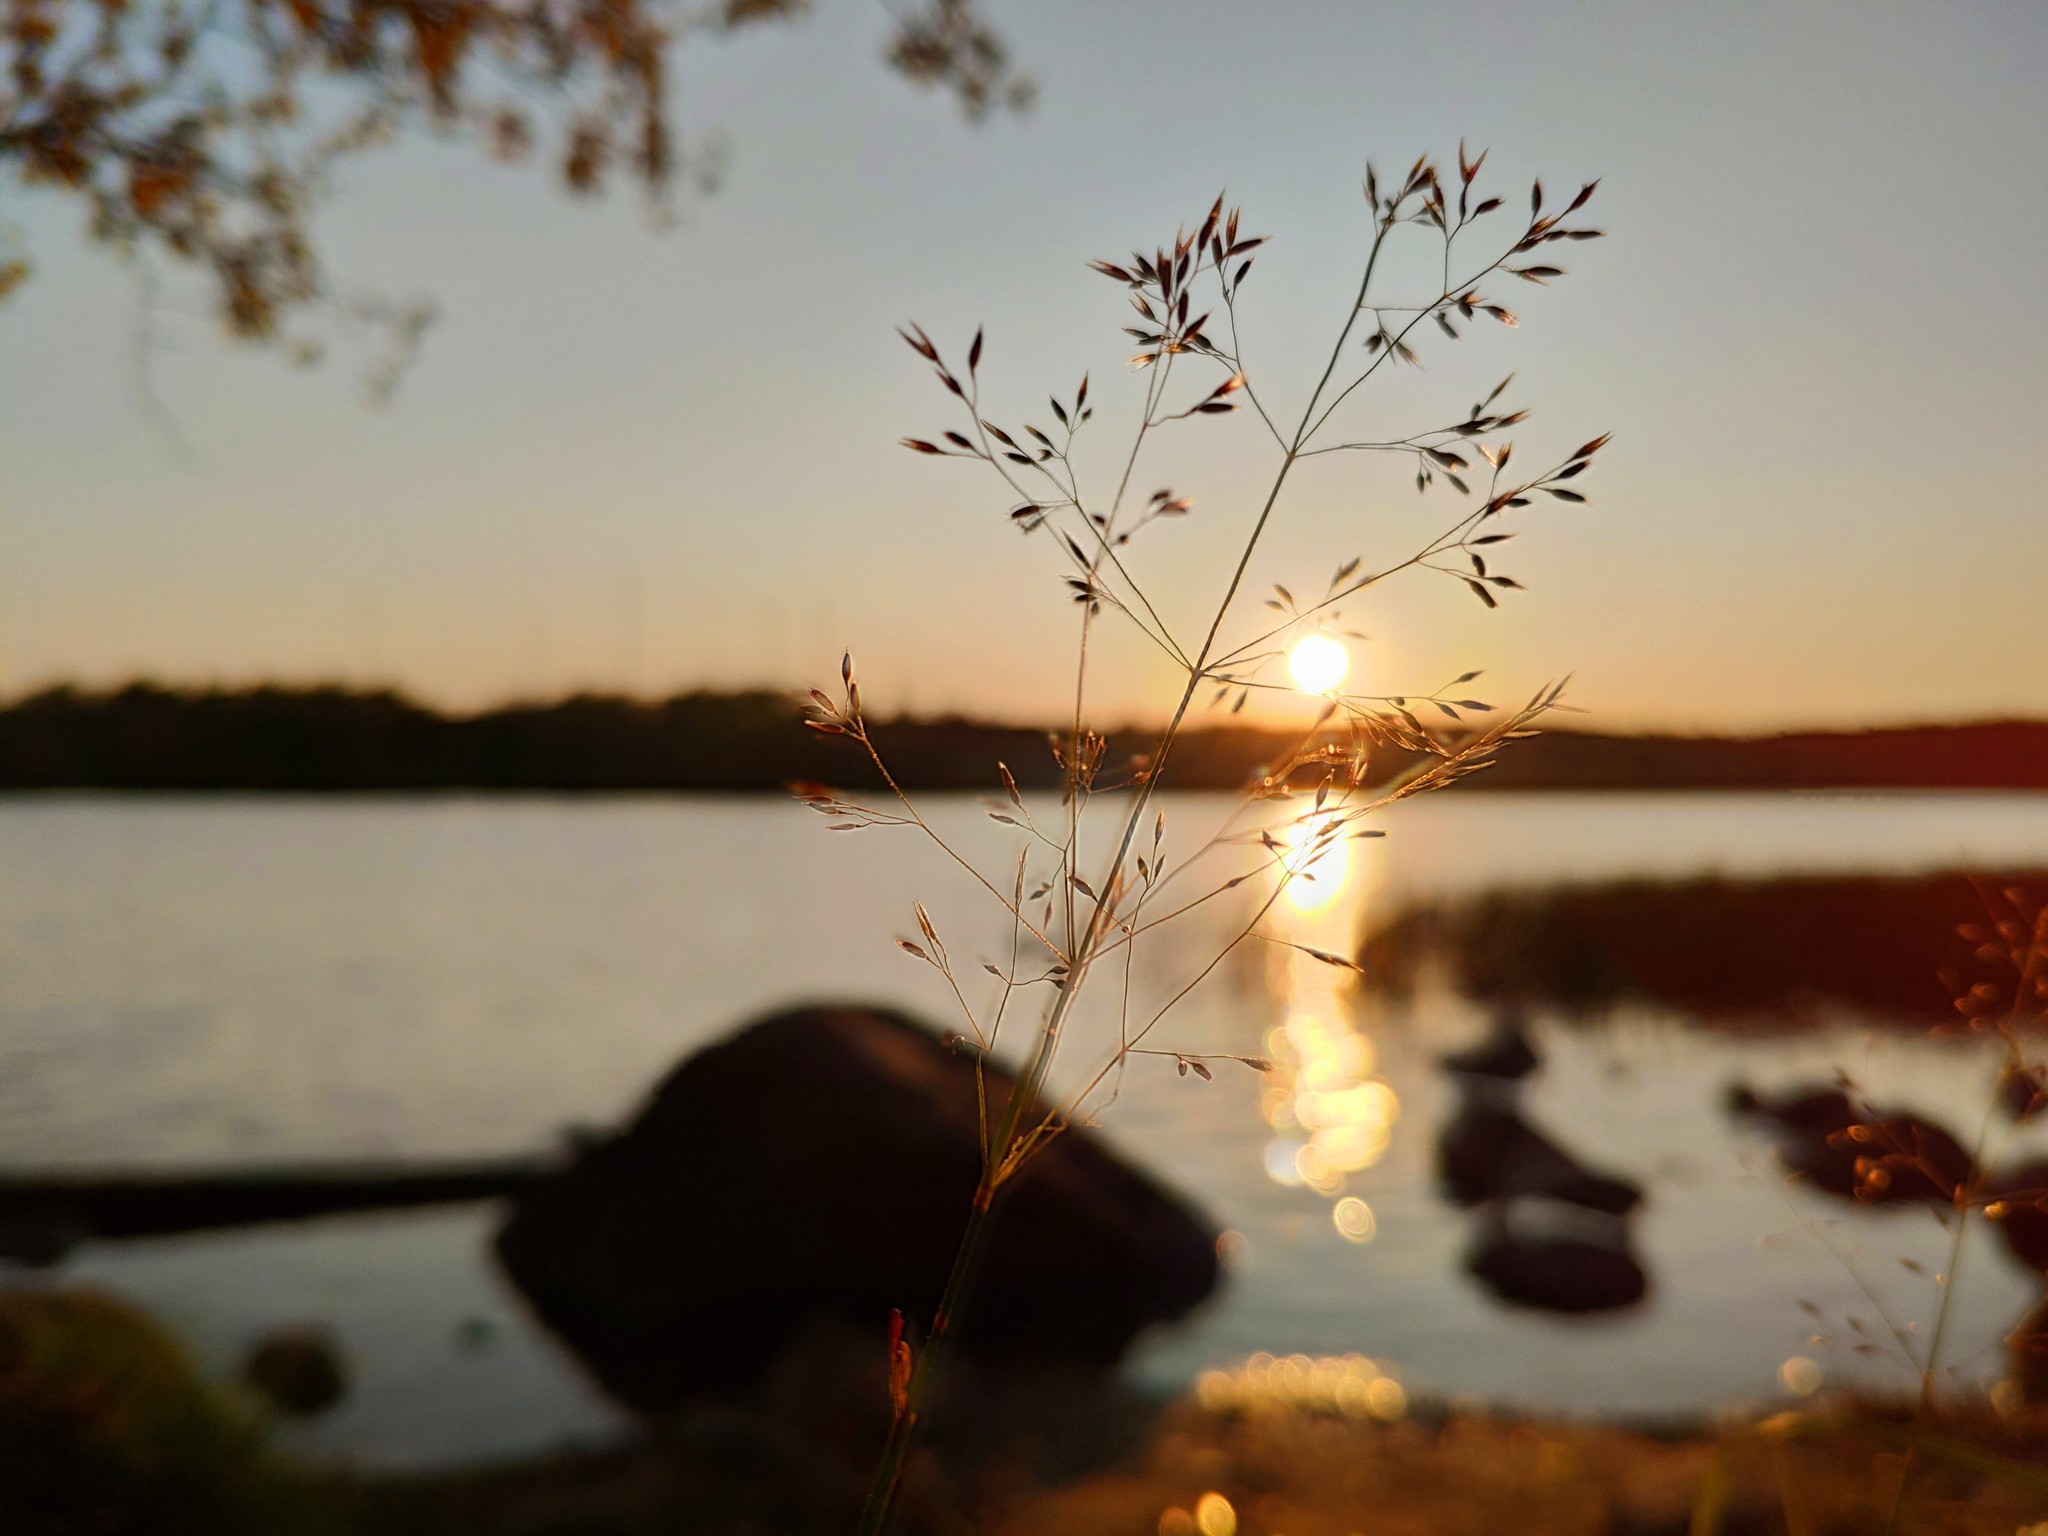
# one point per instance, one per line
(818, 1166)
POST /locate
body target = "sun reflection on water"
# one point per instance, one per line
(1330, 1115)
(1323, 877)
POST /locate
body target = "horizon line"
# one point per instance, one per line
(797, 696)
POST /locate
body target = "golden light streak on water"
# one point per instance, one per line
(1324, 878)
(1331, 1116)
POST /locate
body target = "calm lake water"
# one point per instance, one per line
(194, 982)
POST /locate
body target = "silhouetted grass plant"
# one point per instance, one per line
(1070, 922)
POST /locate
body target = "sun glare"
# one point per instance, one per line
(1318, 664)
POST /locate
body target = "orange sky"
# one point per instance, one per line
(651, 460)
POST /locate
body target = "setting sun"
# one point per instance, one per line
(1318, 664)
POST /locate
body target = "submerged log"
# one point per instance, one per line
(44, 1216)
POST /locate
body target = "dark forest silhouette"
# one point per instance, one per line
(146, 737)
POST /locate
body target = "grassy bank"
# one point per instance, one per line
(105, 1429)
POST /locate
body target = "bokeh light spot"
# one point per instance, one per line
(1354, 1219)
(1386, 1398)
(1800, 1376)
(1214, 1516)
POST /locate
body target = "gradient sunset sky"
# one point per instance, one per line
(653, 459)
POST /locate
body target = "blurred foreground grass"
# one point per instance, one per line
(1293, 1473)
(106, 1430)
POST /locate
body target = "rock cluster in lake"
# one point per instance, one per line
(1551, 1233)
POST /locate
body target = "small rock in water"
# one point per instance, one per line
(2019, 1209)
(298, 1370)
(1506, 1053)
(1489, 1152)
(1578, 1266)
(1855, 1151)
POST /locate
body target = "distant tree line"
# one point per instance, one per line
(329, 738)
(147, 737)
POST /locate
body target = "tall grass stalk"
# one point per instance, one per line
(1335, 780)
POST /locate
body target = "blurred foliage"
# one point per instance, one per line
(207, 131)
(1280, 1469)
(106, 1429)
